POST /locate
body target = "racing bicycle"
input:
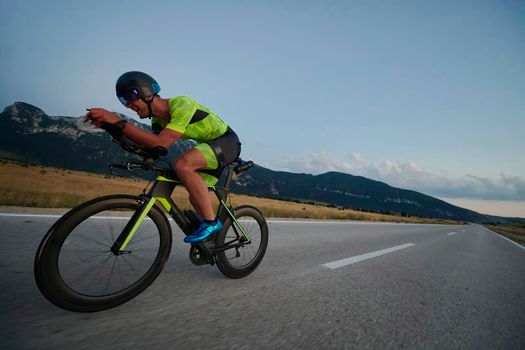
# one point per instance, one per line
(108, 250)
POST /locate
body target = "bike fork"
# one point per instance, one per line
(131, 227)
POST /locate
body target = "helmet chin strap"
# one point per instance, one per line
(148, 103)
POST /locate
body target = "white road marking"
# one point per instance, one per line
(31, 215)
(56, 216)
(505, 238)
(59, 216)
(451, 233)
(278, 221)
(358, 258)
(272, 221)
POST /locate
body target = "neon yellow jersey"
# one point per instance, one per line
(182, 110)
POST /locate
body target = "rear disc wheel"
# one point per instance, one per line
(240, 261)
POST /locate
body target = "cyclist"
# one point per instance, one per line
(173, 119)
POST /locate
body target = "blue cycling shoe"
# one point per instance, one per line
(205, 230)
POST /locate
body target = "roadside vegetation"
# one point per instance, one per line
(515, 231)
(25, 185)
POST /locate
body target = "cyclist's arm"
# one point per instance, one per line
(165, 138)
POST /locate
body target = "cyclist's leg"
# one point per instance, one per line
(206, 156)
(186, 167)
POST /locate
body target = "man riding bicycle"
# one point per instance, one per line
(173, 119)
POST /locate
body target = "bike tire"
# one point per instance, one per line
(230, 262)
(51, 254)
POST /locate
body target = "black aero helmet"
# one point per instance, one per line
(134, 85)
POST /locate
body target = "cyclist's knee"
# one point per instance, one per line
(185, 165)
(189, 162)
(182, 166)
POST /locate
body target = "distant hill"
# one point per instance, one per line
(354, 192)
(28, 134)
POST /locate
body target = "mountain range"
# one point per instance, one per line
(28, 134)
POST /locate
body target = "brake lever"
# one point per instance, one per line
(112, 169)
(140, 164)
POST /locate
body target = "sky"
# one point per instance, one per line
(422, 95)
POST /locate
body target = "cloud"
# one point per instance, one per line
(409, 175)
(317, 163)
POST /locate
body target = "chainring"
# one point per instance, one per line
(197, 257)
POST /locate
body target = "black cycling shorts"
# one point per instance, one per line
(227, 147)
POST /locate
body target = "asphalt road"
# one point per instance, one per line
(320, 285)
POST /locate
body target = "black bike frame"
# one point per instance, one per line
(161, 191)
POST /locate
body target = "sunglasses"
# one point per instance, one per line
(128, 96)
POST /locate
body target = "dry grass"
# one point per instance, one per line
(516, 232)
(37, 186)
(285, 209)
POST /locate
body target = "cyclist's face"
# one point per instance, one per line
(140, 107)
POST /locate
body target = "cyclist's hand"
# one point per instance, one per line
(101, 116)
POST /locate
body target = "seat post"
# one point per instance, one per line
(222, 194)
(229, 177)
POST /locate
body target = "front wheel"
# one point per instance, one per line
(75, 268)
(242, 260)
